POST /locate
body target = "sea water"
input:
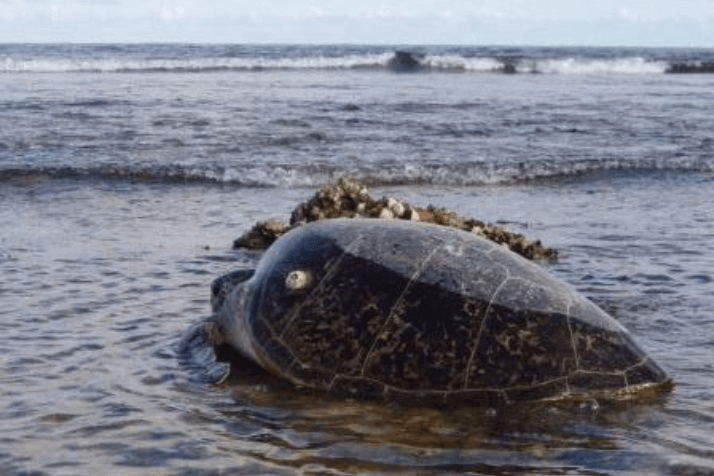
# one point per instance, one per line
(126, 171)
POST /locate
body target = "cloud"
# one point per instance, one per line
(628, 15)
(302, 13)
(385, 13)
(170, 13)
(63, 11)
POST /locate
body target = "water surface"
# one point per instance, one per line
(121, 192)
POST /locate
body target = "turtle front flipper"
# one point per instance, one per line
(199, 349)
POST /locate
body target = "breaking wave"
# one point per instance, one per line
(462, 174)
(122, 65)
(391, 61)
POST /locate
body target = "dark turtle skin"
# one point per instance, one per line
(411, 311)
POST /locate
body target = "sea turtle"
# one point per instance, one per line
(413, 311)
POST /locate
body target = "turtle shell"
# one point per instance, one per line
(406, 310)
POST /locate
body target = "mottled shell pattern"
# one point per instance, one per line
(405, 310)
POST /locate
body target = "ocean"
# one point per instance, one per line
(126, 172)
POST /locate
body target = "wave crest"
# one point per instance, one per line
(293, 175)
(383, 61)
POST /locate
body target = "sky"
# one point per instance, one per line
(676, 23)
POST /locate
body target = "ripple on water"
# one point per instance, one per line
(296, 429)
(90, 382)
(699, 278)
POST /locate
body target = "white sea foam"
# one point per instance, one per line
(463, 174)
(453, 62)
(573, 66)
(485, 64)
(47, 65)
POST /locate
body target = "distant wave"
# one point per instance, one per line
(396, 61)
(124, 65)
(462, 174)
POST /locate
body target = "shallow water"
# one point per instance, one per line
(127, 171)
(103, 277)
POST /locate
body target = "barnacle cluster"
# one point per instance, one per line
(348, 198)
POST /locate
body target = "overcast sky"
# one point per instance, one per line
(475, 22)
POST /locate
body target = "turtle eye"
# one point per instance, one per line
(298, 279)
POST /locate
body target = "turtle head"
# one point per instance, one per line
(222, 287)
(231, 295)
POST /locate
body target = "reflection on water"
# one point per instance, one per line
(307, 429)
